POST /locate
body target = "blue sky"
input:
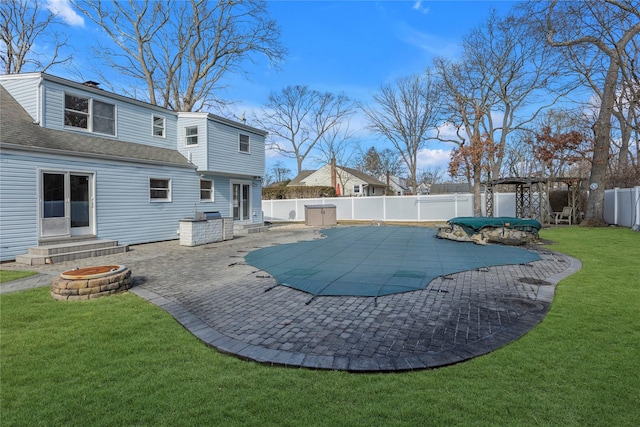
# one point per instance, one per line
(350, 47)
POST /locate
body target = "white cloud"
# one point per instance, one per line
(64, 10)
(429, 158)
(420, 8)
(429, 43)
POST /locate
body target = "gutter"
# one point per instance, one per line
(120, 159)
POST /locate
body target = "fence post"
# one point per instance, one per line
(637, 205)
(384, 208)
(455, 204)
(615, 205)
(353, 208)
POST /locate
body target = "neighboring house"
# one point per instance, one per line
(346, 181)
(398, 186)
(80, 162)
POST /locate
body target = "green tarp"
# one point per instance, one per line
(473, 224)
(374, 261)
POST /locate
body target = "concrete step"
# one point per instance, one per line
(244, 229)
(75, 246)
(52, 254)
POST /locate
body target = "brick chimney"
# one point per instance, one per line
(334, 181)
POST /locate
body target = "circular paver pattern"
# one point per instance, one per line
(241, 310)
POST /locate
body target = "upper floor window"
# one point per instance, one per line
(90, 114)
(191, 135)
(244, 144)
(206, 190)
(159, 190)
(158, 126)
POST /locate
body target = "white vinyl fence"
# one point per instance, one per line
(622, 206)
(388, 208)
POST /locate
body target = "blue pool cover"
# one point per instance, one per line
(374, 261)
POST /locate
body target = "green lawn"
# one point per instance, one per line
(122, 361)
(9, 275)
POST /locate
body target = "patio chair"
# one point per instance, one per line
(565, 216)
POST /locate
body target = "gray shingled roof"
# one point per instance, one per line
(299, 179)
(364, 177)
(18, 131)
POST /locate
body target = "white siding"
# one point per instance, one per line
(123, 209)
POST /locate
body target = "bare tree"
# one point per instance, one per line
(23, 25)
(430, 175)
(405, 113)
(336, 144)
(182, 50)
(277, 173)
(297, 118)
(505, 78)
(380, 162)
(603, 29)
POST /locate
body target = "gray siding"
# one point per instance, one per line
(25, 90)
(123, 209)
(221, 196)
(224, 154)
(195, 154)
(256, 202)
(18, 206)
(133, 122)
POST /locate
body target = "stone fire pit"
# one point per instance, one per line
(87, 283)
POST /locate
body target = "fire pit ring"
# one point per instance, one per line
(86, 283)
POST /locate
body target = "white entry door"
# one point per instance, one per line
(241, 205)
(66, 204)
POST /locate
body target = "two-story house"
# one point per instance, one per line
(78, 162)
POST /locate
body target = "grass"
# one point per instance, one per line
(9, 275)
(122, 361)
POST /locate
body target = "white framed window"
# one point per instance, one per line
(356, 188)
(243, 144)
(159, 190)
(206, 190)
(90, 114)
(191, 135)
(158, 126)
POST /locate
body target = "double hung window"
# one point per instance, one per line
(90, 114)
(191, 135)
(206, 190)
(159, 190)
(158, 126)
(244, 144)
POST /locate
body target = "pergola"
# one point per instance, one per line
(532, 196)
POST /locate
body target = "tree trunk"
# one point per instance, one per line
(477, 194)
(594, 213)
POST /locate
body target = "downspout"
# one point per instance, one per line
(39, 108)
